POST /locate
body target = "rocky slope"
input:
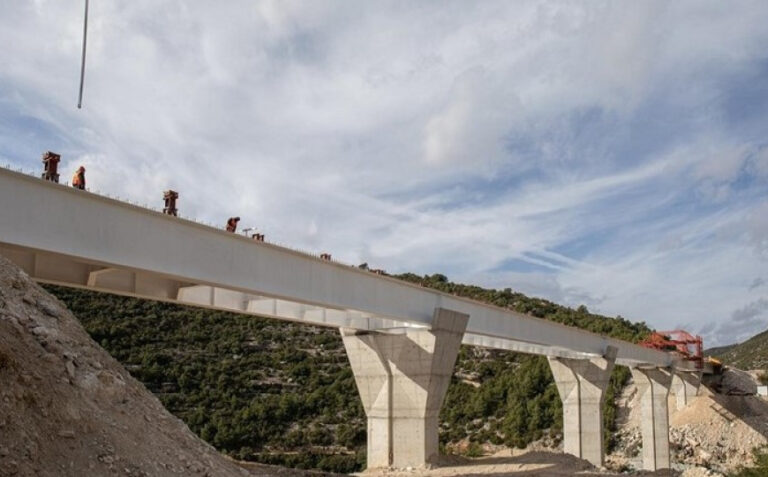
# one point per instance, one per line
(713, 435)
(68, 409)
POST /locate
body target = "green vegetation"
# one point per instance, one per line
(760, 467)
(763, 378)
(282, 393)
(719, 350)
(751, 354)
(257, 389)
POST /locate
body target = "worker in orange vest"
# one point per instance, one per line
(78, 180)
(232, 224)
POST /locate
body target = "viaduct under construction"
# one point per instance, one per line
(402, 340)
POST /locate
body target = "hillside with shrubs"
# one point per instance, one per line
(268, 391)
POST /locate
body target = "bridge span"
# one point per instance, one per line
(402, 339)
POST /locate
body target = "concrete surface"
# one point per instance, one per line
(402, 380)
(582, 384)
(653, 391)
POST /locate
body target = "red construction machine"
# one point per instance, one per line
(689, 347)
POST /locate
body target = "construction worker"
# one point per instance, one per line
(78, 180)
(232, 224)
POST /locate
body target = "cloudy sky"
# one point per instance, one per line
(612, 154)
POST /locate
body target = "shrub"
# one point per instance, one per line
(760, 467)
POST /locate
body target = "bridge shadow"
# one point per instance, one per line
(734, 398)
(535, 463)
(749, 409)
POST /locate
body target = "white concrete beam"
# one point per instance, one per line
(263, 306)
(156, 287)
(23, 258)
(55, 268)
(196, 295)
(522, 347)
(113, 279)
(345, 319)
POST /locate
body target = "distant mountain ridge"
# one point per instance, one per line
(751, 354)
(719, 351)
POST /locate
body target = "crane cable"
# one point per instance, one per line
(82, 63)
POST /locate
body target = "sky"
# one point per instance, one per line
(611, 154)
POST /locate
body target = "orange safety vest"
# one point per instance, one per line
(78, 180)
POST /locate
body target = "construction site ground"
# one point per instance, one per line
(712, 436)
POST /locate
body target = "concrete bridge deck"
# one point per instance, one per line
(76, 238)
(79, 238)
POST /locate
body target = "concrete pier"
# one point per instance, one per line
(653, 391)
(685, 386)
(402, 377)
(582, 384)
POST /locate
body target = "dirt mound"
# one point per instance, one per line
(713, 435)
(68, 409)
(719, 431)
(517, 463)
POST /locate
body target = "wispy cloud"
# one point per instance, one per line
(756, 283)
(599, 154)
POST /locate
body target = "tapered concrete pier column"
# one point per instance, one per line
(402, 379)
(653, 391)
(685, 386)
(582, 384)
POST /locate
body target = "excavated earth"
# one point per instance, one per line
(713, 435)
(67, 408)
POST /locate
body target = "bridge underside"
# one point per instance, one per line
(73, 272)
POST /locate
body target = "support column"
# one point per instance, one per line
(402, 379)
(582, 384)
(653, 391)
(685, 386)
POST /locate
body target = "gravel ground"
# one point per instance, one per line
(714, 434)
